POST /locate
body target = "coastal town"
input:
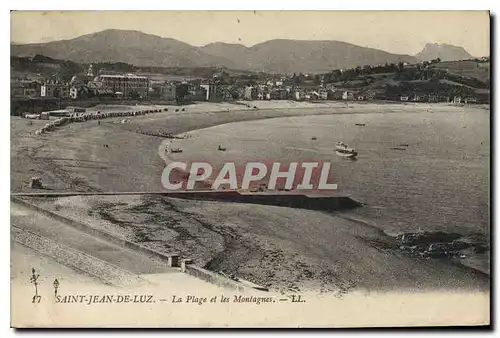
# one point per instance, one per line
(428, 82)
(212, 174)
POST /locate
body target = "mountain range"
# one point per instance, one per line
(274, 56)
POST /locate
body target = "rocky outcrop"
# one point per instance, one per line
(438, 244)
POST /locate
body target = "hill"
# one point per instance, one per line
(131, 47)
(468, 68)
(444, 52)
(275, 56)
(294, 56)
(42, 67)
(441, 79)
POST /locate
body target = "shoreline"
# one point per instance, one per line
(184, 123)
(67, 152)
(252, 242)
(280, 104)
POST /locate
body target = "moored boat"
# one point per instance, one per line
(341, 149)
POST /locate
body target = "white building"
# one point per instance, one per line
(347, 95)
(73, 92)
(248, 93)
(209, 91)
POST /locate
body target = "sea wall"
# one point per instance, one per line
(329, 203)
(211, 277)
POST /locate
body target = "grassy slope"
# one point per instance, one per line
(468, 68)
(378, 82)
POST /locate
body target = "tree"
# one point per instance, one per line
(317, 79)
(134, 95)
(235, 95)
(181, 91)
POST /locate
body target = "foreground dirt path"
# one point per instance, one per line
(131, 261)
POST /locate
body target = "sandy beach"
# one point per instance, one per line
(283, 248)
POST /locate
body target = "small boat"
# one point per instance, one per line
(342, 150)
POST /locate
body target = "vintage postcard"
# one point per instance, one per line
(250, 169)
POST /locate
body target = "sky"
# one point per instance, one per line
(402, 32)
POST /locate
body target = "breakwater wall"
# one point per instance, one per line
(329, 203)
